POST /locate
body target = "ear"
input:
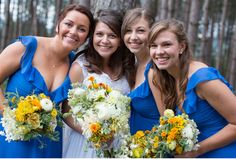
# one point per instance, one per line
(182, 47)
(57, 29)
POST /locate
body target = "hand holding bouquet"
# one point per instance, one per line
(101, 112)
(30, 117)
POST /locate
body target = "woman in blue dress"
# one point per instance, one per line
(194, 88)
(41, 65)
(135, 29)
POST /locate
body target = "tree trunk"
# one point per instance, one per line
(149, 5)
(34, 19)
(221, 35)
(170, 12)
(163, 10)
(205, 30)
(193, 25)
(232, 78)
(121, 5)
(187, 5)
(6, 26)
(85, 3)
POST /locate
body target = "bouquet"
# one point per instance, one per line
(174, 135)
(101, 112)
(30, 117)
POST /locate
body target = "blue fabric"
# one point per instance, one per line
(25, 81)
(144, 112)
(208, 120)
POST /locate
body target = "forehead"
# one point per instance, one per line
(165, 35)
(140, 22)
(77, 17)
(100, 26)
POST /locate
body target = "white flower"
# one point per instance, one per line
(46, 104)
(105, 111)
(169, 113)
(190, 146)
(76, 108)
(188, 131)
(79, 91)
(172, 145)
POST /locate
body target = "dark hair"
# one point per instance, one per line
(173, 95)
(135, 14)
(122, 62)
(79, 8)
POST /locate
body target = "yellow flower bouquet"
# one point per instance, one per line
(101, 112)
(30, 117)
(175, 135)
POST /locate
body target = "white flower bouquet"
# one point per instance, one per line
(101, 112)
(30, 117)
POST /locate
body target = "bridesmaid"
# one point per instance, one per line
(193, 87)
(105, 59)
(135, 30)
(41, 65)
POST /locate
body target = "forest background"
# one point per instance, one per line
(211, 24)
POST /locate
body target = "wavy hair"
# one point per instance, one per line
(173, 94)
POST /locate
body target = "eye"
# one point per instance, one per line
(128, 31)
(140, 30)
(166, 44)
(152, 46)
(82, 30)
(112, 36)
(68, 24)
(99, 34)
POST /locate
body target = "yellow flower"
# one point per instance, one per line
(179, 149)
(54, 113)
(42, 95)
(95, 85)
(139, 134)
(94, 127)
(163, 134)
(34, 120)
(91, 78)
(137, 152)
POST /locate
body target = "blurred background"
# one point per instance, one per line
(210, 23)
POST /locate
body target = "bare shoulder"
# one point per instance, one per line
(76, 73)
(195, 66)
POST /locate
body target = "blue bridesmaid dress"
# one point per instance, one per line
(208, 120)
(144, 112)
(25, 81)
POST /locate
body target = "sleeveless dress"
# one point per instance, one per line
(74, 142)
(208, 120)
(144, 112)
(27, 80)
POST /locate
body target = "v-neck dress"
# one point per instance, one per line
(208, 120)
(144, 112)
(74, 142)
(25, 81)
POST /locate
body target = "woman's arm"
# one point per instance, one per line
(223, 100)
(9, 63)
(76, 75)
(156, 93)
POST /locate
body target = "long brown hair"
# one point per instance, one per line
(172, 94)
(121, 62)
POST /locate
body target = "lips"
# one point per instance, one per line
(71, 39)
(161, 60)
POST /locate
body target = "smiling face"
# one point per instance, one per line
(165, 51)
(105, 41)
(136, 35)
(73, 29)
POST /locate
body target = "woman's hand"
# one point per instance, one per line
(190, 154)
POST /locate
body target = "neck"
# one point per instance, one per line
(142, 58)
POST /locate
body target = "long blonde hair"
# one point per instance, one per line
(173, 94)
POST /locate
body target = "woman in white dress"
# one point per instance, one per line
(108, 61)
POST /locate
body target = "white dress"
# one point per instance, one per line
(74, 142)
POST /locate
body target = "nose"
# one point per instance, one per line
(133, 36)
(73, 30)
(158, 50)
(105, 39)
